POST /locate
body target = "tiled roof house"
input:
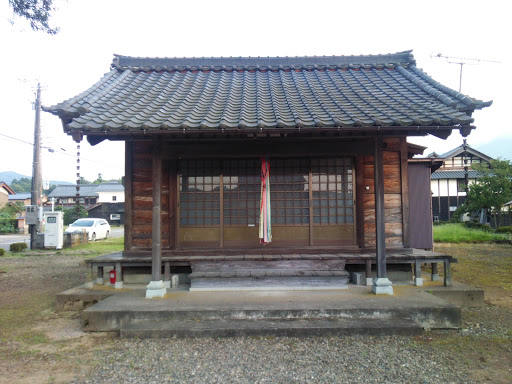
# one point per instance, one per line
(90, 194)
(449, 181)
(334, 129)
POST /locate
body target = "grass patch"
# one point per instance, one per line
(100, 247)
(488, 266)
(457, 233)
(91, 249)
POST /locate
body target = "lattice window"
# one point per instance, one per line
(241, 179)
(289, 191)
(199, 192)
(332, 184)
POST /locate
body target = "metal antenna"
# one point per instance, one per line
(461, 61)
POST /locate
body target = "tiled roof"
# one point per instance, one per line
(86, 190)
(110, 187)
(454, 175)
(153, 94)
(459, 150)
(20, 196)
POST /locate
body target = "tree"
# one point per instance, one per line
(99, 180)
(37, 12)
(23, 185)
(492, 189)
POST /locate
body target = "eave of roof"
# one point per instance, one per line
(454, 175)
(373, 93)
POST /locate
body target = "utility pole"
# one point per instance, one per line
(36, 170)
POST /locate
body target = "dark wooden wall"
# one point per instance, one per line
(141, 199)
(420, 206)
(138, 209)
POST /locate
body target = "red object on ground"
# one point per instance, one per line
(112, 276)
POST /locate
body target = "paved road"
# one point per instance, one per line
(116, 231)
(7, 240)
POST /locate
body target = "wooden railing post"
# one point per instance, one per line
(156, 287)
(381, 285)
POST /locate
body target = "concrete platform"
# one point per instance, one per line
(459, 294)
(269, 327)
(78, 298)
(293, 313)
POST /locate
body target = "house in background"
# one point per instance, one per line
(104, 200)
(5, 192)
(448, 182)
(90, 194)
(110, 193)
(24, 198)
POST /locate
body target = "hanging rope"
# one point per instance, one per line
(78, 179)
(466, 173)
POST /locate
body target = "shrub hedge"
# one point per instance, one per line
(18, 247)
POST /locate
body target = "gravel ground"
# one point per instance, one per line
(274, 360)
(480, 352)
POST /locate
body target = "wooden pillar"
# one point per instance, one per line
(368, 272)
(99, 275)
(380, 214)
(418, 281)
(167, 274)
(156, 261)
(89, 279)
(156, 288)
(404, 173)
(119, 276)
(435, 272)
(128, 196)
(381, 285)
(173, 203)
(447, 273)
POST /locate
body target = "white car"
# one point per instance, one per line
(96, 228)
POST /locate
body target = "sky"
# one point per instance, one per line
(92, 31)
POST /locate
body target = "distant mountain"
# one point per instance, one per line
(501, 147)
(9, 176)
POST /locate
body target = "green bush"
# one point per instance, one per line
(504, 229)
(458, 233)
(8, 225)
(2, 252)
(6, 228)
(18, 247)
(483, 227)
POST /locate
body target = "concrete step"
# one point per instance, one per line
(267, 327)
(356, 304)
(268, 275)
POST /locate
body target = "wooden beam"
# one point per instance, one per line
(360, 201)
(406, 234)
(128, 196)
(173, 203)
(380, 214)
(311, 216)
(271, 148)
(156, 261)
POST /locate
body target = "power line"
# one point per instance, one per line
(60, 151)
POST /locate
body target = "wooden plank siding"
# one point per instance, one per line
(142, 197)
(392, 196)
